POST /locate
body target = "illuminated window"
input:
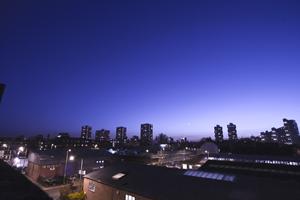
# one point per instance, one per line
(129, 197)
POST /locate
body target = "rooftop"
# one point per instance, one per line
(164, 183)
(14, 186)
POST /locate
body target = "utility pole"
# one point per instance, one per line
(2, 87)
(80, 175)
(66, 163)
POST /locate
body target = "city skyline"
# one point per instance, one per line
(120, 132)
(182, 68)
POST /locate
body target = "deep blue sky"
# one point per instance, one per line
(184, 66)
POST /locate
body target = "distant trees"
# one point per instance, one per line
(162, 139)
(257, 148)
(134, 140)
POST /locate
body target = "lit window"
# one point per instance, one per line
(129, 197)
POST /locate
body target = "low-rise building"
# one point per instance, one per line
(144, 182)
(45, 164)
(51, 163)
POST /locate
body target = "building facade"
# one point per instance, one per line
(232, 133)
(71, 142)
(44, 166)
(95, 189)
(266, 136)
(121, 136)
(218, 133)
(146, 134)
(287, 134)
(86, 132)
(102, 135)
(51, 163)
(291, 131)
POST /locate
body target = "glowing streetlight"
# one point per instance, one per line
(21, 149)
(72, 158)
(4, 145)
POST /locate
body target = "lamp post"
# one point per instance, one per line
(81, 165)
(207, 154)
(66, 163)
(81, 172)
(21, 149)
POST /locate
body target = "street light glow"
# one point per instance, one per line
(71, 158)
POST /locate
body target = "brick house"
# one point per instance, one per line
(45, 166)
(51, 163)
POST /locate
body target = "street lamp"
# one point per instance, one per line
(207, 153)
(66, 163)
(21, 149)
(81, 172)
(71, 158)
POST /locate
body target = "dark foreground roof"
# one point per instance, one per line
(163, 184)
(14, 186)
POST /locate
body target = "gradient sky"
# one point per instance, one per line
(183, 66)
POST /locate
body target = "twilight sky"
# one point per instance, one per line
(184, 66)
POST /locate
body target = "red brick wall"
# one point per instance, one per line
(34, 171)
(105, 192)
